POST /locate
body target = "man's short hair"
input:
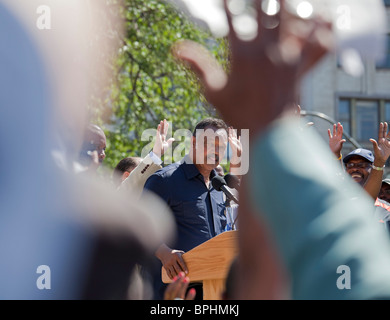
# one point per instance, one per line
(127, 164)
(92, 130)
(214, 123)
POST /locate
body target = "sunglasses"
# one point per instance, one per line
(360, 165)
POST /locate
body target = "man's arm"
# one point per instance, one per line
(161, 143)
(171, 259)
(336, 141)
(137, 178)
(151, 163)
(381, 154)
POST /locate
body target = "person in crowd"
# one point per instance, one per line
(64, 235)
(382, 204)
(91, 157)
(186, 187)
(94, 140)
(135, 181)
(365, 167)
(384, 193)
(93, 150)
(123, 169)
(318, 243)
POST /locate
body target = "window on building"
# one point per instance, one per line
(344, 114)
(387, 111)
(367, 120)
(361, 117)
(385, 64)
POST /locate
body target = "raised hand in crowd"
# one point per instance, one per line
(382, 146)
(336, 140)
(151, 163)
(381, 154)
(162, 144)
(236, 148)
(370, 176)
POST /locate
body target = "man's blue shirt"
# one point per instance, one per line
(198, 210)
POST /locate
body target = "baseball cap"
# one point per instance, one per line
(387, 181)
(364, 153)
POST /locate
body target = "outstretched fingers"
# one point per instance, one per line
(269, 17)
(316, 45)
(386, 132)
(202, 63)
(383, 130)
(229, 18)
(381, 133)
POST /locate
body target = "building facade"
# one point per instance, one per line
(359, 103)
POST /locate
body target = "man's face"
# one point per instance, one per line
(384, 193)
(100, 144)
(209, 147)
(96, 141)
(359, 169)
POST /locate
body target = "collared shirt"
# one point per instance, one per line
(198, 210)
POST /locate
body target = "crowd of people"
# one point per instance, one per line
(198, 208)
(367, 167)
(110, 241)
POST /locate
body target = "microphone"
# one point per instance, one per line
(219, 184)
(232, 181)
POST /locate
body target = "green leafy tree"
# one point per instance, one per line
(149, 84)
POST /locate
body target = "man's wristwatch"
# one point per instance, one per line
(377, 168)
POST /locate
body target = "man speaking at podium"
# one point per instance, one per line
(197, 207)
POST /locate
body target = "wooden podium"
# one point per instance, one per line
(209, 263)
